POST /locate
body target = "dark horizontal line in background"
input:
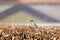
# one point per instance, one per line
(7, 3)
(42, 3)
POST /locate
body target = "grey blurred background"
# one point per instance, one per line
(18, 13)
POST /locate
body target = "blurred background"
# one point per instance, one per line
(18, 11)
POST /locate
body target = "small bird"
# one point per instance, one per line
(33, 23)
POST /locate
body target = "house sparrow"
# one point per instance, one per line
(33, 23)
